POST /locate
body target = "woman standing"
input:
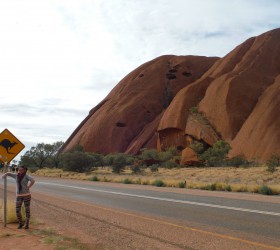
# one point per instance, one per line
(24, 183)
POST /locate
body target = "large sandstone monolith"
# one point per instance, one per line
(173, 101)
(127, 119)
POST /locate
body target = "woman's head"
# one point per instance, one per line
(22, 169)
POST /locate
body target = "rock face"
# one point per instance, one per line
(175, 100)
(127, 119)
(238, 97)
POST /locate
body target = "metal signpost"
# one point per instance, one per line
(10, 146)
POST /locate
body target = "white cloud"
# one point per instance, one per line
(59, 58)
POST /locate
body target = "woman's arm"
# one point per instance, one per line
(31, 184)
(4, 175)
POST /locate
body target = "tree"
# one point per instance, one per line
(28, 159)
(97, 159)
(42, 155)
(216, 155)
(197, 147)
(36, 156)
(77, 161)
(149, 156)
(55, 156)
(119, 163)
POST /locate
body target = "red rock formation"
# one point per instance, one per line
(259, 136)
(127, 119)
(235, 98)
(189, 157)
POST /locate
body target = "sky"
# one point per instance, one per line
(60, 58)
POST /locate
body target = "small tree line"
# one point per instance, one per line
(77, 160)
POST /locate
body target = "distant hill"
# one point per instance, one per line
(176, 100)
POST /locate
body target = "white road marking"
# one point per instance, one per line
(166, 199)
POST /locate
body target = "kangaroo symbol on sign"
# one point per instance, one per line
(7, 145)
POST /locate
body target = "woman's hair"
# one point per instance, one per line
(25, 168)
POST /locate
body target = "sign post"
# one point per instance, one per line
(10, 146)
(5, 196)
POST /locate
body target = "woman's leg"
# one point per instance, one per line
(19, 201)
(27, 201)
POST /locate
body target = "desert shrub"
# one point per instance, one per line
(170, 164)
(158, 183)
(127, 181)
(265, 190)
(138, 181)
(77, 161)
(154, 167)
(165, 156)
(168, 154)
(108, 159)
(194, 110)
(97, 159)
(272, 163)
(238, 161)
(216, 155)
(255, 162)
(182, 184)
(211, 187)
(228, 188)
(94, 178)
(197, 147)
(135, 169)
(119, 163)
(149, 156)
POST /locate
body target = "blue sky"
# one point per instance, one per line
(60, 58)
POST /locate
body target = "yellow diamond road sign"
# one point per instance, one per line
(10, 146)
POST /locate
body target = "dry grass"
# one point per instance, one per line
(10, 212)
(224, 178)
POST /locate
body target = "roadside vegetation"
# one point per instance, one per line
(162, 169)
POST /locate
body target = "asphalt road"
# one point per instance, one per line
(248, 217)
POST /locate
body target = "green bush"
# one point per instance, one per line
(158, 183)
(77, 161)
(182, 184)
(168, 154)
(228, 188)
(149, 157)
(197, 147)
(97, 159)
(211, 187)
(154, 167)
(127, 181)
(265, 190)
(119, 163)
(135, 169)
(272, 163)
(170, 164)
(216, 155)
(238, 161)
(108, 159)
(94, 178)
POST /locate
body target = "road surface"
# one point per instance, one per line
(119, 216)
